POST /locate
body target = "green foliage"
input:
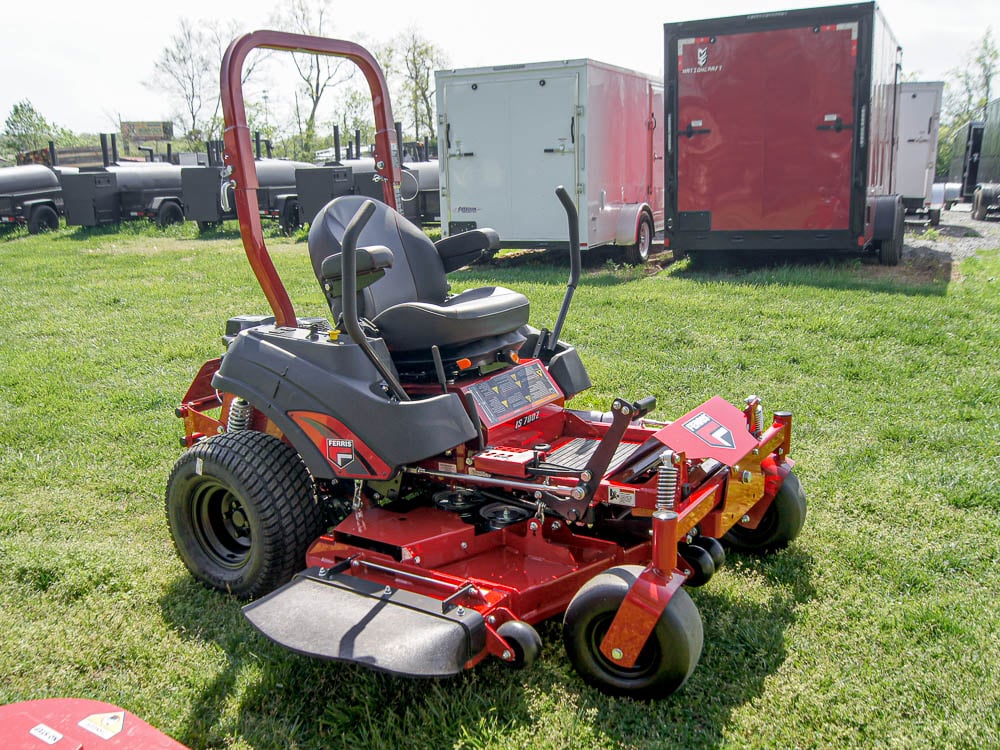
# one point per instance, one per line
(968, 90)
(25, 129)
(876, 627)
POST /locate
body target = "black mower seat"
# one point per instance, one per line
(410, 306)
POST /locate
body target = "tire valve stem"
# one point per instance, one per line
(239, 415)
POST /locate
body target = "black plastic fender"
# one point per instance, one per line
(281, 370)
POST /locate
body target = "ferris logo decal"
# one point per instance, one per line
(710, 431)
(526, 420)
(340, 452)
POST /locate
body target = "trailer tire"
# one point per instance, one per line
(242, 511)
(289, 220)
(890, 250)
(666, 661)
(169, 213)
(638, 253)
(781, 523)
(978, 205)
(43, 219)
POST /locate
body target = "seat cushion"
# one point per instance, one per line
(469, 316)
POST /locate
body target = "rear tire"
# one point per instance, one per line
(638, 253)
(43, 219)
(169, 213)
(781, 523)
(242, 510)
(666, 661)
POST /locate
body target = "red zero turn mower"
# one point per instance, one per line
(420, 458)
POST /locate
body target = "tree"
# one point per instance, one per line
(421, 58)
(27, 130)
(967, 93)
(317, 72)
(184, 71)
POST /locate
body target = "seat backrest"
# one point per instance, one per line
(417, 273)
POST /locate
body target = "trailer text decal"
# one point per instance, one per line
(702, 58)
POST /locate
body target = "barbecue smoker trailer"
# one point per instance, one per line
(209, 204)
(508, 133)
(30, 195)
(781, 133)
(106, 195)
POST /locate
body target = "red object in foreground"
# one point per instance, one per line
(77, 724)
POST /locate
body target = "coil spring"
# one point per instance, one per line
(756, 417)
(239, 415)
(666, 482)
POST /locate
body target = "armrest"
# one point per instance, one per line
(371, 263)
(468, 247)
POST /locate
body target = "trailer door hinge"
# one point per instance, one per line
(579, 110)
(579, 188)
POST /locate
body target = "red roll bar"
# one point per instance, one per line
(239, 154)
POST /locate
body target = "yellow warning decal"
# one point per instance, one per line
(104, 726)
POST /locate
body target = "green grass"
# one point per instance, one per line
(877, 627)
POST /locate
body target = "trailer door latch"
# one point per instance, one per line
(690, 131)
(837, 125)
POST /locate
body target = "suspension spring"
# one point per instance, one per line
(666, 482)
(239, 415)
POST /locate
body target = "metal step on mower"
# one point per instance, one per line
(406, 488)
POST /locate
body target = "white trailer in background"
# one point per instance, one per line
(510, 134)
(916, 152)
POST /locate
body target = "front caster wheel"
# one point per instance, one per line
(524, 641)
(242, 511)
(665, 662)
(781, 523)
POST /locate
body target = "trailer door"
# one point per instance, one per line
(766, 129)
(510, 142)
(919, 107)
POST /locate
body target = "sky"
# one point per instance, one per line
(84, 66)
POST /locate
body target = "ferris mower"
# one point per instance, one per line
(406, 488)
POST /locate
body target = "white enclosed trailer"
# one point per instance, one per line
(510, 134)
(916, 155)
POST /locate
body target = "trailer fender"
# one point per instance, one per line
(29, 206)
(884, 221)
(280, 200)
(155, 204)
(627, 226)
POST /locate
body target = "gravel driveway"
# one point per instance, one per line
(959, 236)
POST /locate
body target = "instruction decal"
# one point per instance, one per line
(104, 726)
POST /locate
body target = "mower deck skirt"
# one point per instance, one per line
(341, 617)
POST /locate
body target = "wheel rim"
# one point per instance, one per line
(646, 663)
(645, 240)
(221, 525)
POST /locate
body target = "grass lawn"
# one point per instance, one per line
(877, 627)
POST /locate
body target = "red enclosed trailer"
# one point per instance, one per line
(781, 131)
